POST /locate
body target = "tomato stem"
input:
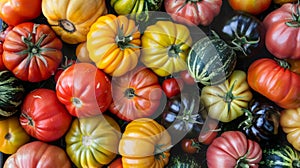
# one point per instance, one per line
(174, 50)
(284, 64)
(123, 41)
(130, 93)
(295, 22)
(8, 136)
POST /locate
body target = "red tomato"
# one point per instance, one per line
(14, 12)
(254, 7)
(84, 89)
(209, 131)
(136, 94)
(64, 65)
(283, 31)
(32, 51)
(233, 149)
(43, 116)
(172, 86)
(190, 146)
(187, 78)
(275, 81)
(2, 38)
(193, 12)
(117, 163)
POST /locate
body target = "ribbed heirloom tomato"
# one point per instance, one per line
(84, 89)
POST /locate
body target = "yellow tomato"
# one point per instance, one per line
(12, 135)
(165, 46)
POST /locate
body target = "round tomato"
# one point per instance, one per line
(14, 12)
(114, 43)
(254, 7)
(172, 86)
(145, 143)
(165, 46)
(38, 154)
(289, 121)
(64, 65)
(187, 78)
(273, 79)
(193, 12)
(84, 89)
(190, 146)
(224, 102)
(93, 141)
(12, 135)
(136, 94)
(209, 131)
(233, 149)
(43, 116)
(32, 51)
(283, 30)
(117, 163)
(3, 34)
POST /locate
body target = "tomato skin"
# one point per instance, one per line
(43, 116)
(14, 12)
(187, 78)
(38, 154)
(254, 7)
(233, 149)
(275, 82)
(136, 94)
(84, 89)
(209, 131)
(172, 86)
(282, 35)
(193, 13)
(190, 146)
(2, 38)
(32, 51)
(117, 163)
(64, 65)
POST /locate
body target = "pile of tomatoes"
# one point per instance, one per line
(107, 85)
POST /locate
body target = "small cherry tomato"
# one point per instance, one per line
(187, 78)
(190, 146)
(209, 131)
(172, 86)
(117, 163)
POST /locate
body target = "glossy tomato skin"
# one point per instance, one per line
(233, 149)
(3, 34)
(282, 32)
(282, 86)
(14, 12)
(136, 94)
(38, 153)
(64, 65)
(190, 146)
(172, 86)
(32, 51)
(187, 78)
(84, 89)
(117, 163)
(43, 116)
(254, 7)
(193, 13)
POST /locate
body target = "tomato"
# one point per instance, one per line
(165, 46)
(274, 80)
(145, 143)
(192, 12)
(93, 141)
(289, 121)
(32, 51)
(225, 101)
(3, 34)
(84, 89)
(172, 86)
(254, 7)
(12, 135)
(38, 154)
(187, 78)
(14, 12)
(190, 146)
(82, 54)
(283, 29)
(71, 20)
(43, 116)
(117, 163)
(114, 44)
(64, 65)
(136, 94)
(233, 149)
(209, 131)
